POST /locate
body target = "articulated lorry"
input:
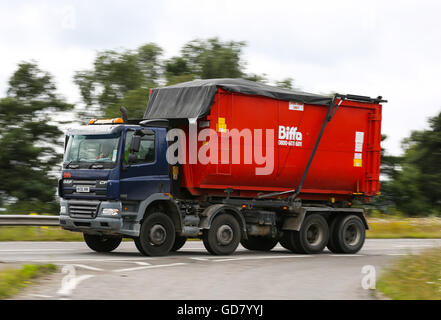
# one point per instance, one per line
(227, 161)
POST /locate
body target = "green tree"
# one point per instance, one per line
(120, 78)
(286, 83)
(262, 78)
(123, 78)
(212, 58)
(177, 70)
(28, 141)
(414, 184)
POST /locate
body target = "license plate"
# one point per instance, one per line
(83, 189)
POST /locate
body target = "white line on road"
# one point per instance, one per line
(413, 245)
(261, 257)
(150, 267)
(87, 267)
(200, 259)
(141, 263)
(33, 250)
(78, 260)
(347, 255)
(40, 296)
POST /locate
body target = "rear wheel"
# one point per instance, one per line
(179, 243)
(157, 235)
(259, 243)
(224, 235)
(312, 236)
(100, 243)
(348, 235)
(284, 241)
(333, 245)
(288, 241)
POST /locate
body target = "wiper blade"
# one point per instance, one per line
(74, 166)
(96, 166)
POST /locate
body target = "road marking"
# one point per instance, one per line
(397, 254)
(413, 245)
(347, 255)
(87, 267)
(200, 259)
(140, 263)
(261, 257)
(39, 296)
(85, 259)
(150, 267)
(33, 250)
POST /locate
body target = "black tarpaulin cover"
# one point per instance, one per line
(194, 99)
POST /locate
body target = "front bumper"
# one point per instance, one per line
(99, 223)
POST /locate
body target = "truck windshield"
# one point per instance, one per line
(88, 151)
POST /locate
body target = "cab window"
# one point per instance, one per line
(146, 151)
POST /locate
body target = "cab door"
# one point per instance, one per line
(148, 172)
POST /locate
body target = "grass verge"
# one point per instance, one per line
(38, 234)
(396, 227)
(12, 280)
(414, 277)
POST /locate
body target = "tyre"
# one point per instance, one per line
(312, 237)
(224, 235)
(179, 243)
(288, 241)
(333, 245)
(101, 243)
(348, 234)
(258, 243)
(284, 240)
(157, 235)
(138, 246)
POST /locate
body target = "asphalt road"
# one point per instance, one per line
(192, 273)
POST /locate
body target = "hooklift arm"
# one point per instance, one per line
(333, 106)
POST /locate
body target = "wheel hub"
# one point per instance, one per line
(352, 235)
(158, 234)
(313, 234)
(224, 234)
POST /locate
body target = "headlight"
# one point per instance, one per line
(62, 210)
(110, 212)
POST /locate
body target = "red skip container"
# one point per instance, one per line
(346, 163)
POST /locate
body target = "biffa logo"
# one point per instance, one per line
(289, 136)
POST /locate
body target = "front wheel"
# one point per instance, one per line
(224, 235)
(157, 235)
(258, 243)
(101, 243)
(179, 243)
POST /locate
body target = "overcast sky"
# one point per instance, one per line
(388, 48)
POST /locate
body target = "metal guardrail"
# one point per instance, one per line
(28, 220)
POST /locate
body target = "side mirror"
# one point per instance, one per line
(135, 143)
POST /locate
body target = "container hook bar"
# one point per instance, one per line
(333, 106)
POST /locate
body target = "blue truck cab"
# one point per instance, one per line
(113, 173)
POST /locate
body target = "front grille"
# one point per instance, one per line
(95, 188)
(84, 182)
(83, 209)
